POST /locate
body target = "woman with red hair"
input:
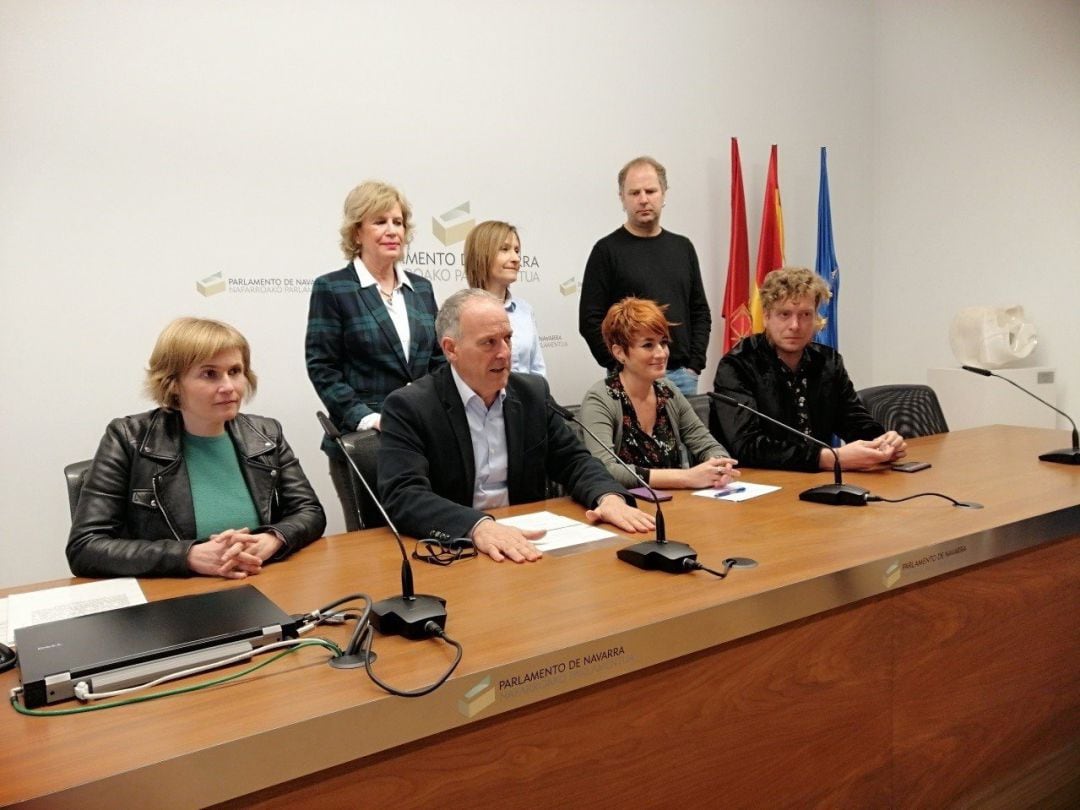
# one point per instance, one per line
(641, 416)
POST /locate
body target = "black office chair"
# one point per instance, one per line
(700, 403)
(574, 426)
(363, 448)
(910, 410)
(554, 488)
(75, 474)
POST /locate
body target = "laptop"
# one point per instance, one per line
(133, 645)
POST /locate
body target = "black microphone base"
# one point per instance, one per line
(1070, 455)
(401, 616)
(653, 556)
(836, 495)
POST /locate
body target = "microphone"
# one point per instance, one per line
(1067, 455)
(675, 558)
(406, 615)
(835, 494)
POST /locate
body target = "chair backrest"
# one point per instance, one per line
(363, 448)
(554, 489)
(700, 404)
(75, 475)
(574, 426)
(910, 410)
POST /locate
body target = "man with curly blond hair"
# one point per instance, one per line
(784, 374)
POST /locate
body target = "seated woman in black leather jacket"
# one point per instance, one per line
(194, 486)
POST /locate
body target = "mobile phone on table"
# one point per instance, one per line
(645, 495)
(911, 466)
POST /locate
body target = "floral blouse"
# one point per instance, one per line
(657, 451)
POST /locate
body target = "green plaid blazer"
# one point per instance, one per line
(353, 352)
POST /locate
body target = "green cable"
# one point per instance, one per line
(311, 642)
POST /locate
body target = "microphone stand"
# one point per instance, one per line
(405, 615)
(1067, 455)
(672, 557)
(835, 494)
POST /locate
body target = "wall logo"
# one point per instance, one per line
(569, 287)
(211, 285)
(553, 341)
(477, 699)
(217, 283)
(454, 225)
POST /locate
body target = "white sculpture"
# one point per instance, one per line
(991, 337)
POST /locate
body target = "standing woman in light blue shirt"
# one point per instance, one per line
(492, 263)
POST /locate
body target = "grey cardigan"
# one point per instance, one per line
(602, 414)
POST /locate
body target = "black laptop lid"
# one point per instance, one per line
(86, 645)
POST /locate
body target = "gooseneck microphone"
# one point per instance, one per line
(835, 494)
(1067, 455)
(406, 615)
(675, 558)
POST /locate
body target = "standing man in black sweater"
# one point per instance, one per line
(642, 259)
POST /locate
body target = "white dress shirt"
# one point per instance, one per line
(487, 429)
(395, 305)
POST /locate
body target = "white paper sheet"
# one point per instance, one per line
(53, 604)
(742, 491)
(562, 532)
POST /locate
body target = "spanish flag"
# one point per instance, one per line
(771, 245)
(737, 321)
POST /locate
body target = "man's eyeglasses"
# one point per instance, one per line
(443, 552)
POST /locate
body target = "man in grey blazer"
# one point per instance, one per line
(473, 436)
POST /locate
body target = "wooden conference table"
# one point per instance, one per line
(903, 655)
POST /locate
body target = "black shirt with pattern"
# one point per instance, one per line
(751, 373)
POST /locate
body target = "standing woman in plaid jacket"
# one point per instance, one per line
(371, 326)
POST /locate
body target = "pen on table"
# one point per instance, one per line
(728, 491)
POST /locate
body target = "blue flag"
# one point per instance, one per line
(825, 266)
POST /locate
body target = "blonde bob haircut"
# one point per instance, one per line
(644, 160)
(631, 318)
(482, 245)
(790, 283)
(370, 199)
(184, 343)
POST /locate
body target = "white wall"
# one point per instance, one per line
(145, 146)
(977, 179)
